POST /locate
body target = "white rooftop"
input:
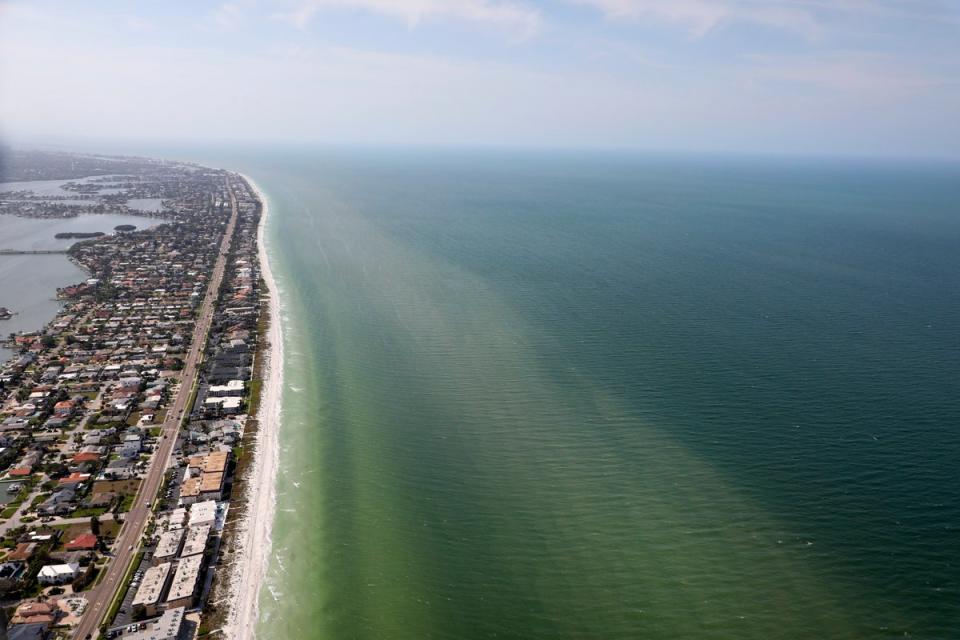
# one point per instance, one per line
(169, 543)
(203, 512)
(196, 540)
(150, 589)
(185, 580)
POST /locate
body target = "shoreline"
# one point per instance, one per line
(253, 535)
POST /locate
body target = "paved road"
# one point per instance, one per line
(136, 519)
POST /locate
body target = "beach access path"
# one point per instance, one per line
(135, 521)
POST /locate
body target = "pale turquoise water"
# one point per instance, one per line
(597, 396)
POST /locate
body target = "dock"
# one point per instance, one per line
(34, 252)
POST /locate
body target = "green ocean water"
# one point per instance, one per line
(611, 396)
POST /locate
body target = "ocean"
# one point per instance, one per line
(600, 395)
(614, 396)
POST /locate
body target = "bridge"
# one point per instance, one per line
(34, 252)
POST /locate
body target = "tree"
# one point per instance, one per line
(95, 526)
(8, 588)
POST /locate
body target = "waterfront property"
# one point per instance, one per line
(90, 400)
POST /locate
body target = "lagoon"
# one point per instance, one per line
(28, 283)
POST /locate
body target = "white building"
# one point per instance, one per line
(58, 573)
(203, 513)
(151, 589)
(168, 626)
(184, 585)
(232, 388)
(168, 546)
(196, 541)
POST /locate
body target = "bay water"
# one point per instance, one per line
(28, 283)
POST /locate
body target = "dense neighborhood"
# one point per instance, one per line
(104, 399)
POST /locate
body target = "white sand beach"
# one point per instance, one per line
(253, 541)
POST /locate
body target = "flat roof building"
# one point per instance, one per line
(203, 513)
(168, 546)
(211, 486)
(151, 589)
(196, 541)
(176, 519)
(168, 626)
(184, 585)
(190, 490)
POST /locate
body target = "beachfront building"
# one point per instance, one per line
(169, 626)
(203, 513)
(211, 486)
(189, 490)
(234, 388)
(183, 589)
(171, 520)
(196, 540)
(168, 546)
(151, 590)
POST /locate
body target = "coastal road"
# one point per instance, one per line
(135, 521)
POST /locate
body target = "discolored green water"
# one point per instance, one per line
(597, 396)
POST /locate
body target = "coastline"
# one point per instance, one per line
(253, 535)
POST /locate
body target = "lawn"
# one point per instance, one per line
(127, 503)
(88, 512)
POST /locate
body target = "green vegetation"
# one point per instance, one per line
(86, 579)
(88, 512)
(253, 403)
(38, 499)
(127, 503)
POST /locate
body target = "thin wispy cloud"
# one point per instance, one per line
(699, 17)
(781, 75)
(809, 18)
(882, 76)
(228, 16)
(515, 17)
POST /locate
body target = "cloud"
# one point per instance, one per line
(515, 17)
(855, 73)
(228, 16)
(136, 23)
(699, 17)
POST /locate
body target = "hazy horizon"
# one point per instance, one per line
(864, 78)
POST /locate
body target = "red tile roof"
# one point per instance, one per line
(74, 478)
(83, 541)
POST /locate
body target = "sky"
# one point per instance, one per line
(850, 77)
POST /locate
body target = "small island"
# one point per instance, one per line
(79, 235)
(125, 228)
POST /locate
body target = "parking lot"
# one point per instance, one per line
(124, 620)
